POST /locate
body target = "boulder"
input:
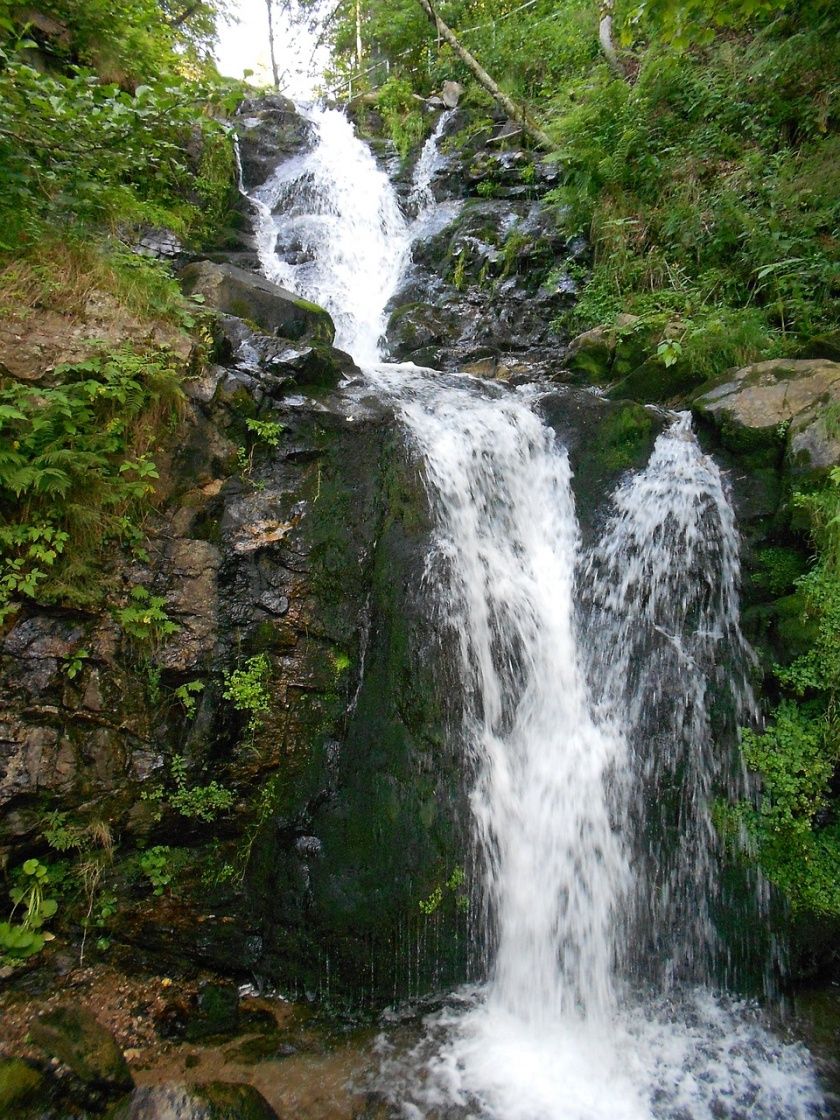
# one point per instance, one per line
(416, 327)
(216, 1012)
(216, 1100)
(76, 1038)
(276, 362)
(591, 354)
(245, 294)
(775, 404)
(450, 93)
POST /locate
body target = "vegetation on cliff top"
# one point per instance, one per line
(111, 123)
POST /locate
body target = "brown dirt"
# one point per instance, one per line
(33, 341)
(307, 1071)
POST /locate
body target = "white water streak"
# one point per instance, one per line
(330, 228)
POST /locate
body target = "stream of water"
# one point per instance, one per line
(588, 676)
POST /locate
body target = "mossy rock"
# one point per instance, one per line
(655, 383)
(591, 355)
(76, 1038)
(624, 438)
(20, 1083)
(216, 1012)
(770, 405)
(248, 296)
(214, 1100)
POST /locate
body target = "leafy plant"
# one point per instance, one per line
(144, 617)
(246, 689)
(23, 939)
(74, 468)
(452, 887)
(156, 865)
(203, 803)
(396, 102)
(92, 843)
(187, 694)
(266, 433)
(74, 663)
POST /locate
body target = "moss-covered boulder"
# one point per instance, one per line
(609, 353)
(591, 355)
(777, 406)
(76, 1038)
(249, 296)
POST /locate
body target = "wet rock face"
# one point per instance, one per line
(268, 127)
(305, 550)
(482, 283)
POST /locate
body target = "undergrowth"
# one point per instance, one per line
(77, 470)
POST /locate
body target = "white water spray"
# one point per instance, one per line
(558, 721)
(330, 228)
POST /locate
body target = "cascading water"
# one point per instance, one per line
(664, 646)
(330, 227)
(566, 737)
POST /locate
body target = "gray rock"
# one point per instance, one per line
(248, 296)
(159, 243)
(451, 94)
(269, 127)
(782, 402)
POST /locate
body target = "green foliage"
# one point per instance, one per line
(709, 190)
(265, 431)
(22, 939)
(92, 846)
(795, 828)
(156, 865)
(187, 694)
(75, 465)
(247, 690)
(775, 570)
(686, 22)
(102, 136)
(74, 663)
(453, 887)
(200, 803)
(403, 120)
(144, 617)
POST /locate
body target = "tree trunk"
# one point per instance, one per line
(514, 111)
(605, 38)
(275, 73)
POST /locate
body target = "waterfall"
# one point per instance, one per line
(329, 227)
(664, 645)
(587, 680)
